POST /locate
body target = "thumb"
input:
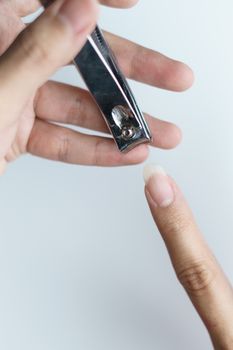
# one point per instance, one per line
(194, 264)
(48, 43)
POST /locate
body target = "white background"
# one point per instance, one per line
(81, 263)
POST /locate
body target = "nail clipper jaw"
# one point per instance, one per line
(112, 93)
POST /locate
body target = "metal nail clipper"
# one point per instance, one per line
(108, 86)
(105, 81)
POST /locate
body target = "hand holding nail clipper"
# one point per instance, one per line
(30, 107)
(194, 264)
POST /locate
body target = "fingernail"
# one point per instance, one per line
(77, 13)
(158, 185)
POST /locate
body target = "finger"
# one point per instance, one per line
(65, 145)
(150, 67)
(23, 7)
(194, 264)
(67, 104)
(119, 3)
(48, 43)
(11, 26)
(111, 3)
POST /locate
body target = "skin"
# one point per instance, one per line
(196, 268)
(39, 50)
(27, 125)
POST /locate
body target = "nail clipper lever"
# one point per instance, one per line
(98, 67)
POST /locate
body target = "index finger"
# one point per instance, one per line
(195, 265)
(150, 67)
(26, 7)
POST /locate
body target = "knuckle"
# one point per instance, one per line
(14, 152)
(196, 278)
(63, 148)
(96, 159)
(32, 46)
(76, 114)
(139, 59)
